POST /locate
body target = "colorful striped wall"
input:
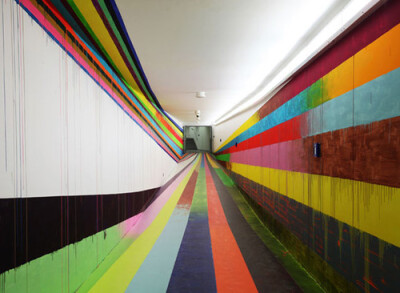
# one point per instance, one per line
(344, 205)
(94, 35)
(84, 148)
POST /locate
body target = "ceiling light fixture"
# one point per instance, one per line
(200, 95)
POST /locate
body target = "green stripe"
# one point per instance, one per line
(66, 269)
(226, 180)
(199, 202)
(166, 131)
(123, 46)
(224, 157)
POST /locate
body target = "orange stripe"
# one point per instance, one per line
(378, 58)
(231, 272)
(165, 123)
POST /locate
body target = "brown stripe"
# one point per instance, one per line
(369, 153)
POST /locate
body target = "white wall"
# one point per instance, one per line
(60, 133)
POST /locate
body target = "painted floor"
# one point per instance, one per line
(199, 235)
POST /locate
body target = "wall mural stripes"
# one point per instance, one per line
(85, 146)
(344, 204)
(94, 40)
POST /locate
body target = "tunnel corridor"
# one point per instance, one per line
(199, 146)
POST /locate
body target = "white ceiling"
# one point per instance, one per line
(227, 48)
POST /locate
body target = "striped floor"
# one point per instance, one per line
(199, 235)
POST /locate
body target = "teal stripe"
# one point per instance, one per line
(294, 107)
(337, 114)
(156, 270)
(376, 100)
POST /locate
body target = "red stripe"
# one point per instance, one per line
(165, 123)
(231, 272)
(288, 130)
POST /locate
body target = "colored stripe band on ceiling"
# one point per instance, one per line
(141, 111)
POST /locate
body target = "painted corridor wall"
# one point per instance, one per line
(343, 208)
(77, 166)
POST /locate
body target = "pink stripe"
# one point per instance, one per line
(127, 225)
(285, 156)
(154, 209)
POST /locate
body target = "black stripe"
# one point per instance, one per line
(33, 227)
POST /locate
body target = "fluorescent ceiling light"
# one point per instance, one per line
(347, 16)
(200, 94)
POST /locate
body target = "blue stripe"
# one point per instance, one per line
(374, 101)
(159, 263)
(194, 266)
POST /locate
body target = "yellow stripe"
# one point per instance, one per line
(339, 81)
(96, 24)
(145, 102)
(368, 207)
(120, 274)
(249, 123)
